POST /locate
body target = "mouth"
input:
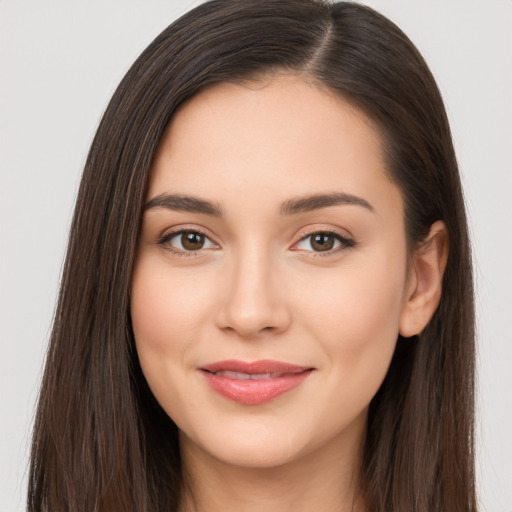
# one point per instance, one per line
(253, 383)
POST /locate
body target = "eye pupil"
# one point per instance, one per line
(322, 242)
(192, 241)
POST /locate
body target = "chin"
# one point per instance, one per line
(262, 450)
(254, 442)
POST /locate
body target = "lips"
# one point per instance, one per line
(253, 383)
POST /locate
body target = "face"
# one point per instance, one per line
(271, 272)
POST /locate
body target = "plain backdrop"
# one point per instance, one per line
(60, 61)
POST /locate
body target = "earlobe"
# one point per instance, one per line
(424, 286)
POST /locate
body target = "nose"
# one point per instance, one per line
(254, 300)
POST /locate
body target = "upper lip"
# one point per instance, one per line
(254, 367)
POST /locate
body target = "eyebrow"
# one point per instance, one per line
(290, 207)
(317, 201)
(185, 204)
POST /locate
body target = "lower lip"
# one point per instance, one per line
(254, 392)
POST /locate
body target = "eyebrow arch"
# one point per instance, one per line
(317, 201)
(184, 203)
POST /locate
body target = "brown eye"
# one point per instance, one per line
(322, 241)
(186, 241)
(192, 241)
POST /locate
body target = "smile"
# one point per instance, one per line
(253, 383)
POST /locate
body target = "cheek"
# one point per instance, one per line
(168, 311)
(356, 320)
(356, 301)
(165, 302)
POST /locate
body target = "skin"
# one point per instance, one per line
(258, 290)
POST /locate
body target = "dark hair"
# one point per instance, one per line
(101, 441)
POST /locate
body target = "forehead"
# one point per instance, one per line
(279, 137)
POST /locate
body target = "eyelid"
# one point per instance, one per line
(323, 228)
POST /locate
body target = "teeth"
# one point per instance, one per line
(248, 376)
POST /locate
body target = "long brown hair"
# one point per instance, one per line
(101, 441)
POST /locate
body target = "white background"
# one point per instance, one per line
(59, 64)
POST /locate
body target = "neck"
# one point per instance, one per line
(326, 479)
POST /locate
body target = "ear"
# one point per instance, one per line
(424, 284)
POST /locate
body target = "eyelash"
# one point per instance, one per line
(345, 242)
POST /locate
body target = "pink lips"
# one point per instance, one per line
(253, 383)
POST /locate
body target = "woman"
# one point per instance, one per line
(267, 297)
